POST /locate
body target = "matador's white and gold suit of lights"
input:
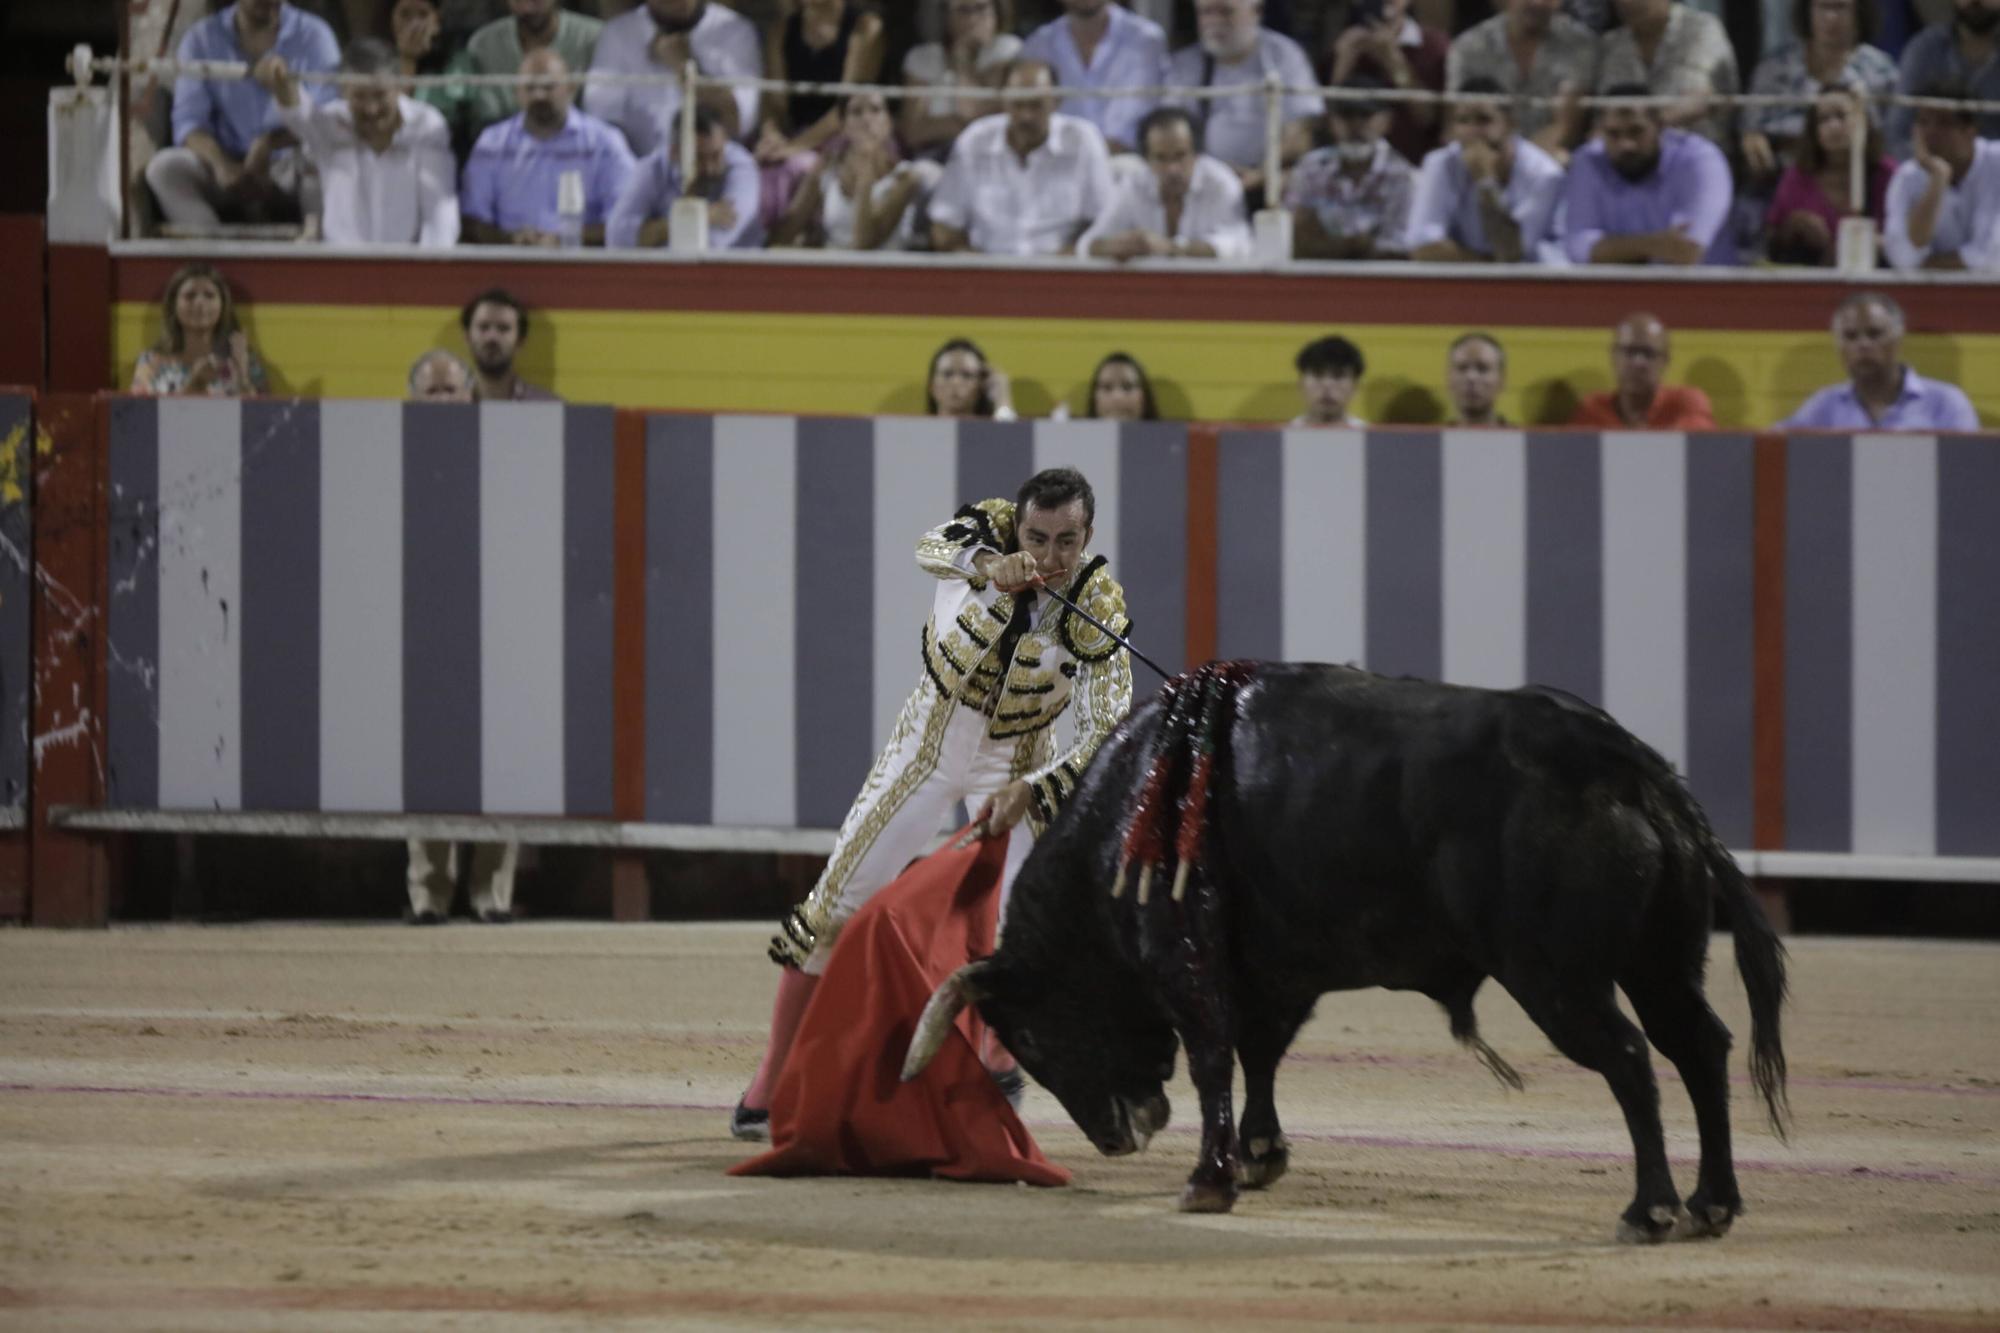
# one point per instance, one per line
(998, 671)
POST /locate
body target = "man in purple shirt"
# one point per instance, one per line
(726, 175)
(1641, 193)
(1882, 393)
(232, 156)
(547, 175)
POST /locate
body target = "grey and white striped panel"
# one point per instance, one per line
(1892, 644)
(1615, 566)
(360, 606)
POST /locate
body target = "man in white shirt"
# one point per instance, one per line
(1097, 44)
(1489, 194)
(1025, 182)
(1186, 205)
(385, 167)
(659, 37)
(1235, 48)
(1943, 209)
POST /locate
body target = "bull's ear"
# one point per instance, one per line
(966, 986)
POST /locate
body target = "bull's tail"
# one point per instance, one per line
(1169, 823)
(1760, 958)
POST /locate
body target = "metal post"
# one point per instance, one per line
(1857, 153)
(690, 89)
(687, 220)
(1274, 139)
(1854, 245)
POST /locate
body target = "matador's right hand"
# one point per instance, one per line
(1009, 573)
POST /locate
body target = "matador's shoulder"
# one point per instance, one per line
(989, 523)
(1098, 593)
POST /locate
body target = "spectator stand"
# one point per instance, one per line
(1857, 244)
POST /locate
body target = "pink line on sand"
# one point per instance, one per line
(1856, 1171)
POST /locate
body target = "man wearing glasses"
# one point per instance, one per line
(1640, 353)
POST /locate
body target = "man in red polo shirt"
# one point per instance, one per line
(1640, 352)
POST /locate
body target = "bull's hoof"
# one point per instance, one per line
(1264, 1162)
(1656, 1224)
(1203, 1198)
(1701, 1221)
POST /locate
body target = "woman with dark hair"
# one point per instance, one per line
(821, 41)
(1812, 196)
(1831, 51)
(201, 350)
(863, 195)
(963, 383)
(1120, 390)
(978, 41)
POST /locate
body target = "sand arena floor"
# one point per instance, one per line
(339, 1127)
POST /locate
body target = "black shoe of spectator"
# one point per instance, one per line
(426, 918)
(750, 1126)
(494, 916)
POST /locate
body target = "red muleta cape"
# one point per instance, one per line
(841, 1107)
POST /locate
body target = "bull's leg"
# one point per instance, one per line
(1678, 1021)
(1586, 1026)
(1187, 953)
(1211, 1187)
(1262, 1038)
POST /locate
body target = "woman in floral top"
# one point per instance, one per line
(1832, 51)
(200, 351)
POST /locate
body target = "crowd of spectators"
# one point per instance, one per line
(202, 350)
(1511, 167)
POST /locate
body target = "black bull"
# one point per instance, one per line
(1365, 831)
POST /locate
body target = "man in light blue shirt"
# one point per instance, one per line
(1882, 393)
(547, 175)
(1641, 193)
(230, 157)
(1487, 195)
(1098, 44)
(726, 176)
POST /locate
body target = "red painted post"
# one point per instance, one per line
(71, 880)
(631, 900)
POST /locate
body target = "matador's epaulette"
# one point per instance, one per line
(1098, 593)
(990, 523)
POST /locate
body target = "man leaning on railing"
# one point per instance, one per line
(232, 159)
(1025, 182)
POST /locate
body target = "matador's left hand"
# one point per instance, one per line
(1003, 809)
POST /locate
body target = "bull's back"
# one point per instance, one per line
(1387, 830)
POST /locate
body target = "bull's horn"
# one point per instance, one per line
(1118, 880)
(1146, 884)
(961, 988)
(1181, 879)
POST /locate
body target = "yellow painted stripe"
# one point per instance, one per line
(875, 364)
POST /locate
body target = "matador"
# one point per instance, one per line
(1002, 661)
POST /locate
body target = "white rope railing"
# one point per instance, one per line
(85, 66)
